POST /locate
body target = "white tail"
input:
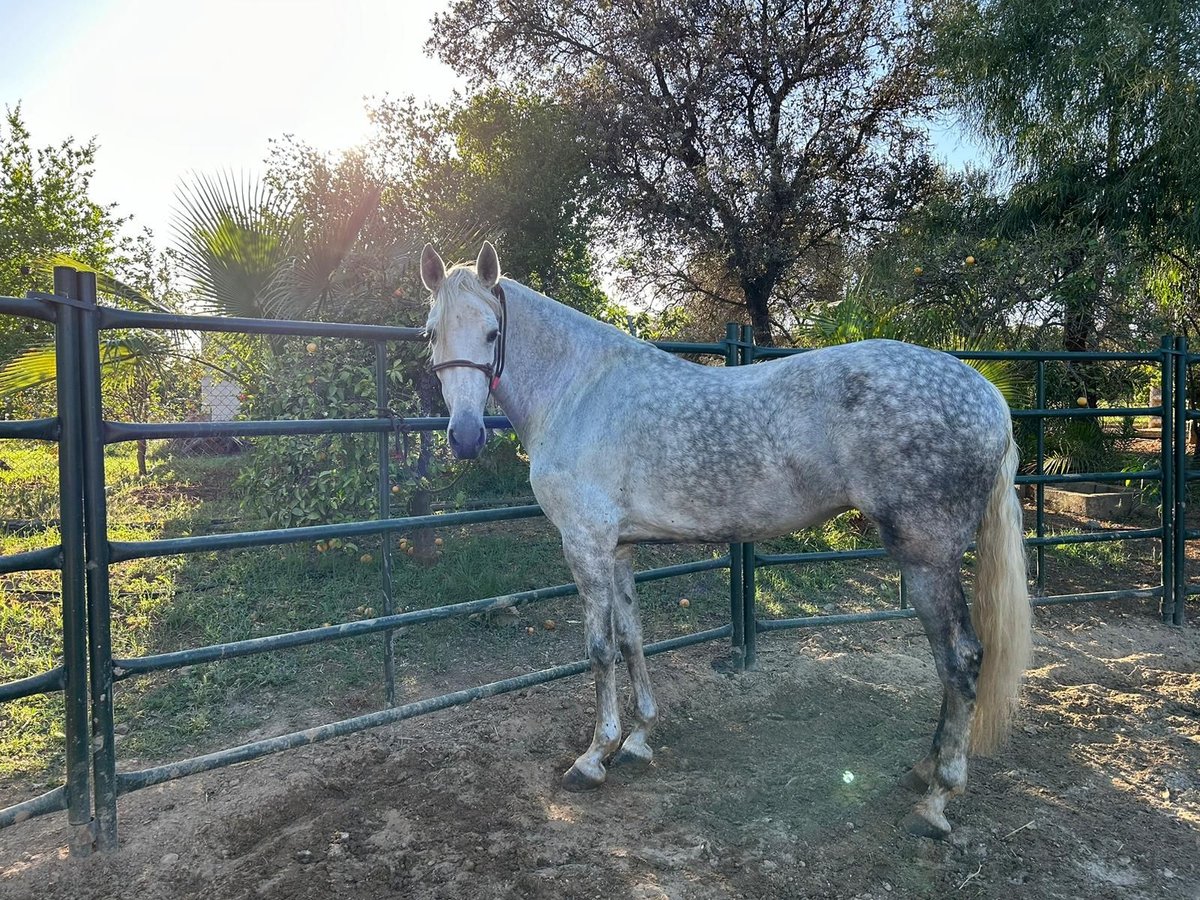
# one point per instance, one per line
(1000, 612)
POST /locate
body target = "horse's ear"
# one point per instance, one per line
(487, 266)
(433, 270)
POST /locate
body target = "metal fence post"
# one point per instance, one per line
(74, 610)
(1181, 481)
(737, 638)
(104, 761)
(750, 618)
(385, 512)
(1167, 484)
(1039, 488)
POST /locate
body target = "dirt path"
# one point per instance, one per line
(779, 783)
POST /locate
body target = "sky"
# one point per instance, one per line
(168, 88)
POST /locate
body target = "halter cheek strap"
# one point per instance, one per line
(495, 368)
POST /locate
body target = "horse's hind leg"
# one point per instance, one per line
(920, 776)
(938, 597)
(636, 748)
(591, 563)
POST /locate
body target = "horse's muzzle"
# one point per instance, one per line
(466, 441)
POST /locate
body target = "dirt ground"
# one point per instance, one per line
(777, 783)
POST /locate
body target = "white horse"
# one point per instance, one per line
(628, 443)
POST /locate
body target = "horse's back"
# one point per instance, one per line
(690, 452)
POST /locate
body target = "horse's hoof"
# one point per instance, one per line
(920, 825)
(914, 781)
(576, 780)
(632, 759)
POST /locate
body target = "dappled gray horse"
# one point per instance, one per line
(627, 443)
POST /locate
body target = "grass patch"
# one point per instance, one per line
(1098, 555)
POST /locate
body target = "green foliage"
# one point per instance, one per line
(45, 208)
(1081, 446)
(502, 164)
(1091, 108)
(294, 481)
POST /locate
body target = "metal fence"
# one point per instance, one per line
(89, 673)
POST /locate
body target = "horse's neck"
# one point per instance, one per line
(550, 350)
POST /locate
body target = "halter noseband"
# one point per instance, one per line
(493, 369)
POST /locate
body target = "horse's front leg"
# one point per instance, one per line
(591, 562)
(627, 621)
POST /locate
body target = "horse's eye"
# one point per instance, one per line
(492, 335)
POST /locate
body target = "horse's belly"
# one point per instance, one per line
(755, 518)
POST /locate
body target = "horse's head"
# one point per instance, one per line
(466, 328)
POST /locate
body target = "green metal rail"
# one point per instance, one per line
(88, 672)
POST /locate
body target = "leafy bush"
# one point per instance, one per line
(295, 481)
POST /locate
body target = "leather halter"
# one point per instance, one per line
(493, 369)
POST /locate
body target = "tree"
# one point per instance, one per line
(506, 164)
(1092, 108)
(749, 135)
(46, 208)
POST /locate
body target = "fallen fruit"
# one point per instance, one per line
(549, 625)
(395, 488)
(685, 602)
(311, 348)
(437, 542)
(970, 260)
(1081, 401)
(366, 558)
(531, 630)
(917, 270)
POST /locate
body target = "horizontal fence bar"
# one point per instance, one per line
(132, 781)
(703, 565)
(879, 615)
(685, 347)
(121, 551)
(1139, 475)
(42, 683)
(783, 559)
(1099, 596)
(1087, 412)
(123, 318)
(884, 615)
(1095, 537)
(51, 801)
(32, 560)
(125, 668)
(1014, 355)
(30, 429)
(28, 309)
(115, 432)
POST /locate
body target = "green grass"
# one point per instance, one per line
(1100, 555)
